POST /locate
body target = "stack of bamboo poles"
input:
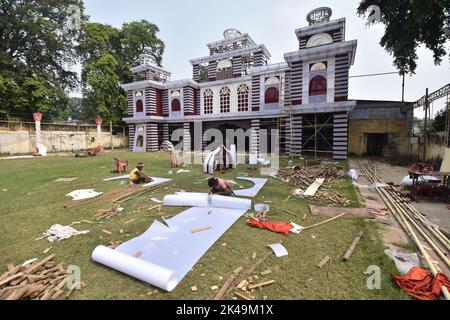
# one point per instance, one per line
(410, 218)
(40, 280)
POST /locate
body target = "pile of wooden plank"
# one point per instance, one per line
(39, 280)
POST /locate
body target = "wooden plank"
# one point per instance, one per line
(222, 292)
(352, 247)
(260, 285)
(311, 191)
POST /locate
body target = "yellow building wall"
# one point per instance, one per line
(397, 130)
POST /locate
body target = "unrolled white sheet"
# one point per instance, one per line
(251, 192)
(168, 253)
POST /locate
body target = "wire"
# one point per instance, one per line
(373, 74)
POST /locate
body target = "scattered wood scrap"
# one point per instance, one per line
(39, 280)
(260, 285)
(238, 270)
(107, 232)
(323, 262)
(114, 244)
(242, 296)
(107, 214)
(155, 207)
(201, 229)
(266, 273)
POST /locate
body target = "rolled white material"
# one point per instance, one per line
(148, 272)
(230, 203)
(186, 200)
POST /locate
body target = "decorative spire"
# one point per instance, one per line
(319, 15)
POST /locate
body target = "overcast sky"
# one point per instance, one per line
(187, 26)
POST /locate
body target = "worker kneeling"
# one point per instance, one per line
(220, 187)
(137, 176)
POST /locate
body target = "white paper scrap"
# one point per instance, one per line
(279, 249)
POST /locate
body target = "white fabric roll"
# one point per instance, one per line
(186, 200)
(148, 272)
(230, 203)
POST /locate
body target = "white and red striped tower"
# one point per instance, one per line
(37, 119)
(99, 122)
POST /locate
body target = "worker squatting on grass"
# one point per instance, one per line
(137, 176)
(220, 187)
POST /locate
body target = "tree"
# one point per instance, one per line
(37, 41)
(410, 23)
(440, 121)
(107, 55)
(140, 38)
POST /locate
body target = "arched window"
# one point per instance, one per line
(272, 95)
(176, 105)
(225, 100)
(318, 86)
(208, 98)
(243, 98)
(139, 106)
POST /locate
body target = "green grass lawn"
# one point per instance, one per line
(33, 202)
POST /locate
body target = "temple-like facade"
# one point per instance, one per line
(235, 87)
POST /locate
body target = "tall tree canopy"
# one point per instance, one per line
(410, 23)
(107, 55)
(37, 41)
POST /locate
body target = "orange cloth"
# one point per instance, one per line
(278, 227)
(421, 285)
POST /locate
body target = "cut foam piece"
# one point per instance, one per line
(251, 192)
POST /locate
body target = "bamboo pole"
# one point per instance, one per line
(323, 222)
